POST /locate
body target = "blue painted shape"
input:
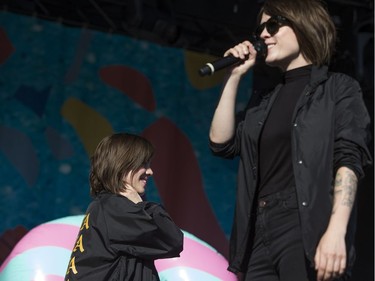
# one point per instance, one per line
(32, 98)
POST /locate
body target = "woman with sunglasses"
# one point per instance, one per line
(302, 149)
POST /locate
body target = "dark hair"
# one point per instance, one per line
(115, 156)
(313, 26)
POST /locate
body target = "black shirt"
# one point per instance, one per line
(275, 162)
(119, 241)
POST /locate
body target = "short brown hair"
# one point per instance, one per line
(115, 156)
(313, 26)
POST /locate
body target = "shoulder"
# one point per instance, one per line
(341, 85)
(341, 78)
(323, 75)
(114, 202)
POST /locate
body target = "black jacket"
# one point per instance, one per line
(119, 241)
(329, 130)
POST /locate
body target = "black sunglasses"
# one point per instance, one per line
(272, 25)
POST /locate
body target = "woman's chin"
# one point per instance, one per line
(141, 193)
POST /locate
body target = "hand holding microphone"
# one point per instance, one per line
(230, 60)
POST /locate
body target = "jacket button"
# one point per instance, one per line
(262, 203)
(304, 204)
(295, 125)
(300, 162)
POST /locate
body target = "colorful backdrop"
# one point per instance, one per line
(63, 89)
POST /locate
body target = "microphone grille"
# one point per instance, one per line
(260, 47)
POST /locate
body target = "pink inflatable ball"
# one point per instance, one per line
(198, 261)
(44, 252)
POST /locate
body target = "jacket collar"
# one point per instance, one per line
(318, 75)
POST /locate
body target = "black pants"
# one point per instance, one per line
(277, 252)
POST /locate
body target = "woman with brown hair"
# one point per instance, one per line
(302, 149)
(121, 235)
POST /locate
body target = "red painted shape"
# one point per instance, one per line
(9, 239)
(6, 47)
(131, 83)
(179, 182)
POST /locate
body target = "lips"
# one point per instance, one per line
(143, 180)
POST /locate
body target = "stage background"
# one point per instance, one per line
(62, 89)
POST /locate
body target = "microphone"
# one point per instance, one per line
(210, 67)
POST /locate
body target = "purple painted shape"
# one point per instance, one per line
(19, 150)
(32, 98)
(60, 147)
(83, 45)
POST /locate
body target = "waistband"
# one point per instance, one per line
(289, 193)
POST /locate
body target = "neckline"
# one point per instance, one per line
(298, 73)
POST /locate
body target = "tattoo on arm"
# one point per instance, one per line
(345, 188)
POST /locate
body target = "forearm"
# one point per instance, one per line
(345, 190)
(331, 256)
(223, 121)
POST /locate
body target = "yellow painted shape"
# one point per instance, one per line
(89, 125)
(193, 62)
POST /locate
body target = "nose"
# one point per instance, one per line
(265, 34)
(149, 172)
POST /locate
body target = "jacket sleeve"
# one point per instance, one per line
(144, 230)
(352, 123)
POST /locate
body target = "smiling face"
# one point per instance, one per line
(283, 50)
(138, 179)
